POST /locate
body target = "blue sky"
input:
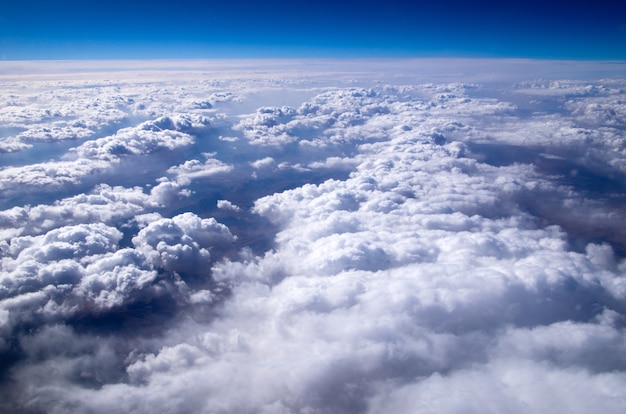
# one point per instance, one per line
(70, 29)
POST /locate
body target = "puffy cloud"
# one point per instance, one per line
(55, 133)
(89, 162)
(194, 169)
(180, 122)
(40, 272)
(167, 192)
(268, 126)
(65, 242)
(512, 386)
(50, 175)
(182, 243)
(65, 111)
(12, 145)
(116, 280)
(80, 268)
(148, 138)
(406, 247)
(263, 163)
(104, 204)
(227, 205)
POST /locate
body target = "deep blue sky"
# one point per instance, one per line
(71, 29)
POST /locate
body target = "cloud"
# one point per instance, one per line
(194, 169)
(263, 163)
(103, 204)
(50, 175)
(61, 111)
(148, 138)
(169, 192)
(227, 205)
(40, 272)
(83, 262)
(267, 127)
(94, 160)
(12, 145)
(514, 386)
(182, 243)
(355, 246)
(55, 133)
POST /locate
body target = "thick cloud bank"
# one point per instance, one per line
(407, 237)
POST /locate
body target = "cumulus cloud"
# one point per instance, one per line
(78, 271)
(103, 204)
(55, 133)
(182, 243)
(50, 175)
(263, 163)
(227, 205)
(268, 126)
(376, 245)
(193, 169)
(12, 145)
(58, 111)
(148, 138)
(169, 192)
(41, 272)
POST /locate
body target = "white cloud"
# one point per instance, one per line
(66, 242)
(50, 175)
(12, 145)
(55, 133)
(104, 204)
(113, 280)
(182, 243)
(194, 169)
(227, 205)
(45, 268)
(263, 163)
(411, 247)
(511, 386)
(148, 138)
(167, 193)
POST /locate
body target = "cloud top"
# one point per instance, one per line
(341, 242)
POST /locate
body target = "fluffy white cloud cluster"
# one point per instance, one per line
(51, 175)
(104, 204)
(424, 247)
(227, 205)
(104, 156)
(418, 276)
(8, 145)
(194, 169)
(327, 114)
(269, 126)
(148, 138)
(51, 109)
(55, 133)
(79, 270)
(48, 276)
(57, 111)
(182, 243)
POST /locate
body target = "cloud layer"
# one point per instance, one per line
(341, 242)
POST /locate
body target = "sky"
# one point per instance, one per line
(312, 207)
(71, 29)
